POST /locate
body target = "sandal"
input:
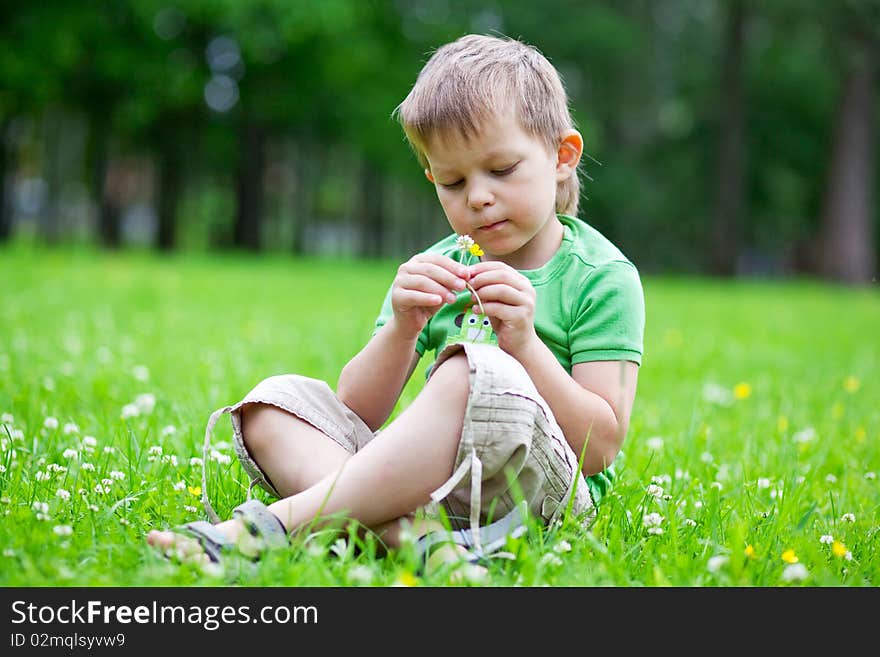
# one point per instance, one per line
(493, 537)
(264, 529)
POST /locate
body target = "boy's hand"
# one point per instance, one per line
(422, 285)
(509, 301)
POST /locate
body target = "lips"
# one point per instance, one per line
(493, 226)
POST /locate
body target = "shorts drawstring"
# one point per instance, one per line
(473, 464)
(212, 421)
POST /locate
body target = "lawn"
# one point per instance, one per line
(752, 457)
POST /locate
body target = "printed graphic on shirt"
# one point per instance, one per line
(474, 328)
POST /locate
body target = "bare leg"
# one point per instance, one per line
(389, 478)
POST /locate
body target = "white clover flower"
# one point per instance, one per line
(7, 418)
(870, 476)
(848, 556)
(223, 459)
(70, 427)
(830, 478)
(654, 443)
(5, 500)
(63, 494)
(716, 485)
(87, 466)
(70, 453)
(848, 517)
(49, 383)
(655, 531)
(795, 572)
(190, 509)
(763, 482)
(51, 422)
(17, 434)
(93, 507)
(698, 504)
(180, 485)
(804, 435)
(54, 467)
(116, 474)
(690, 522)
(63, 530)
(40, 507)
(360, 574)
(562, 546)
(130, 410)
(155, 450)
(107, 483)
(654, 490)
(661, 480)
(170, 458)
(109, 449)
(717, 394)
(717, 562)
(195, 460)
(141, 373)
(146, 402)
(706, 457)
(168, 430)
(42, 476)
(2, 468)
(8, 553)
(89, 441)
(124, 521)
(464, 242)
(652, 519)
(551, 559)
(99, 489)
(826, 539)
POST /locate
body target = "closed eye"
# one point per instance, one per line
(454, 185)
(506, 171)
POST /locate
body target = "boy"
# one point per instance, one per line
(500, 420)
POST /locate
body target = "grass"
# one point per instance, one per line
(753, 436)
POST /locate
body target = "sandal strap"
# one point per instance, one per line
(213, 542)
(262, 523)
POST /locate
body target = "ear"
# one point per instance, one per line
(429, 175)
(571, 147)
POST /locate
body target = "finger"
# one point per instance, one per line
(416, 299)
(431, 270)
(424, 284)
(503, 293)
(509, 277)
(440, 260)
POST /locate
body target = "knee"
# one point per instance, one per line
(453, 375)
(258, 425)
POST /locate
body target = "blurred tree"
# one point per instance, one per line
(847, 236)
(730, 156)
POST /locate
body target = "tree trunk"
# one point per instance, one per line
(847, 247)
(305, 161)
(731, 155)
(5, 205)
(249, 187)
(103, 185)
(371, 211)
(170, 179)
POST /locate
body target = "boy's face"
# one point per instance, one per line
(500, 188)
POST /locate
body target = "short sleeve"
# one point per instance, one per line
(386, 313)
(609, 322)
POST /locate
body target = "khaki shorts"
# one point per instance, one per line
(511, 447)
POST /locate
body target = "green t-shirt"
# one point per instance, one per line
(589, 306)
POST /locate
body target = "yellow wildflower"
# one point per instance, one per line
(861, 434)
(789, 556)
(476, 250)
(782, 424)
(195, 491)
(839, 549)
(406, 579)
(750, 551)
(851, 384)
(742, 390)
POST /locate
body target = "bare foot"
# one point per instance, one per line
(187, 549)
(458, 556)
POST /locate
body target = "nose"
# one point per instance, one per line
(479, 195)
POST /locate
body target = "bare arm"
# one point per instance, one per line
(592, 406)
(372, 381)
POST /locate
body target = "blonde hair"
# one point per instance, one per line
(469, 80)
